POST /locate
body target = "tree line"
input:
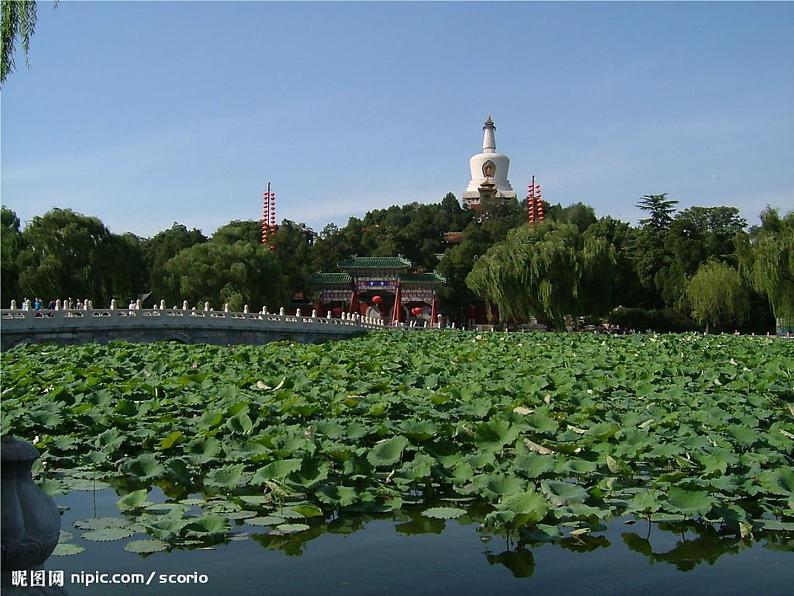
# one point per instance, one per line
(677, 269)
(700, 265)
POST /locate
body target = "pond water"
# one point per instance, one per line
(407, 553)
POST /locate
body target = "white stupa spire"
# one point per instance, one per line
(490, 168)
(488, 138)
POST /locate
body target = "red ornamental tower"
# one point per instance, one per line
(534, 203)
(269, 217)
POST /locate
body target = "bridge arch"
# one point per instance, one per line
(179, 325)
(178, 336)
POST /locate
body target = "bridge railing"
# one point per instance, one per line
(121, 316)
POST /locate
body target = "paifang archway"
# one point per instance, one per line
(381, 287)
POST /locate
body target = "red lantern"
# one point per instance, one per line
(416, 311)
(377, 300)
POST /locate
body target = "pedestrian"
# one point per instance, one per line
(79, 304)
(37, 303)
(51, 305)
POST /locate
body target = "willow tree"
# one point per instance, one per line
(18, 23)
(717, 295)
(768, 262)
(542, 271)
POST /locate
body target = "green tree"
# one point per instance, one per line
(248, 231)
(624, 287)
(767, 261)
(10, 247)
(217, 272)
(124, 266)
(717, 296)
(232, 266)
(161, 248)
(458, 261)
(67, 254)
(18, 23)
(648, 249)
(701, 233)
(660, 211)
(414, 231)
(579, 214)
(694, 236)
(508, 211)
(541, 270)
(294, 253)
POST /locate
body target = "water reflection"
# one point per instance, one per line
(708, 545)
(517, 553)
(520, 562)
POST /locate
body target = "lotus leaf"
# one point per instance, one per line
(99, 523)
(291, 528)
(667, 426)
(207, 525)
(107, 534)
(277, 469)
(779, 481)
(495, 434)
(64, 549)
(225, 477)
(563, 493)
(689, 502)
(444, 512)
(145, 547)
(387, 452)
(144, 467)
(267, 520)
(133, 500)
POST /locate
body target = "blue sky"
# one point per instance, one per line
(148, 113)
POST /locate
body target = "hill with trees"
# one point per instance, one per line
(697, 267)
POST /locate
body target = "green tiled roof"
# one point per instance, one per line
(375, 263)
(422, 278)
(324, 279)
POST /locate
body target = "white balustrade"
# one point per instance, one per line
(120, 317)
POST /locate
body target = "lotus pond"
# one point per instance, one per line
(423, 461)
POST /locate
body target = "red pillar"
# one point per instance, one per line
(433, 311)
(397, 306)
(354, 302)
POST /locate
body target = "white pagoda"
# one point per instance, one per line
(488, 172)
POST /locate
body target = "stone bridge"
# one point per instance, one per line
(182, 325)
